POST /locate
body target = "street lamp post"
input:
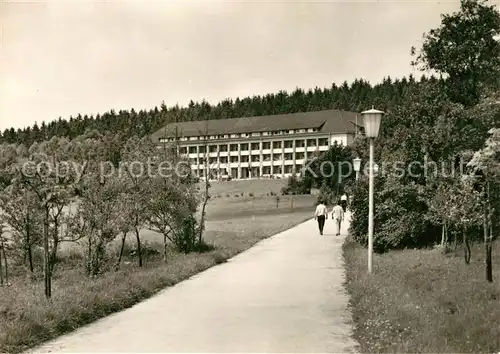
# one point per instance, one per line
(372, 120)
(357, 166)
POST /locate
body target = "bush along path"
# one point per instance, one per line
(283, 295)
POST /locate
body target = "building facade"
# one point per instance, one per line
(254, 147)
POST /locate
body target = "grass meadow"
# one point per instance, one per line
(257, 187)
(423, 301)
(233, 225)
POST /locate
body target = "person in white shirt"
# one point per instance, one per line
(343, 202)
(338, 218)
(321, 214)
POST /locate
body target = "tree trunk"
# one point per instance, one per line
(46, 261)
(139, 250)
(443, 232)
(488, 236)
(1, 270)
(165, 248)
(455, 240)
(205, 199)
(203, 207)
(55, 246)
(467, 253)
(6, 264)
(29, 250)
(30, 259)
(89, 253)
(124, 237)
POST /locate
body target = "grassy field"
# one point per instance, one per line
(423, 301)
(27, 319)
(257, 187)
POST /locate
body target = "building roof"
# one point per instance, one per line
(328, 121)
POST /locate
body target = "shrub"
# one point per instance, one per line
(399, 216)
(185, 238)
(203, 246)
(250, 194)
(294, 186)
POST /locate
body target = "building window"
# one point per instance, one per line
(202, 149)
(183, 150)
(183, 139)
(212, 148)
(222, 148)
(193, 138)
(302, 130)
(265, 133)
(266, 170)
(266, 145)
(288, 144)
(255, 158)
(310, 130)
(276, 144)
(225, 136)
(266, 157)
(255, 146)
(243, 135)
(244, 147)
(299, 143)
(289, 156)
(212, 160)
(234, 159)
(192, 149)
(244, 158)
(299, 155)
(288, 169)
(233, 147)
(192, 161)
(276, 157)
(290, 131)
(323, 142)
(223, 159)
(311, 142)
(234, 135)
(276, 170)
(276, 132)
(255, 134)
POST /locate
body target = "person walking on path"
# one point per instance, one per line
(338, 218)
(343, 202)
(321, 215)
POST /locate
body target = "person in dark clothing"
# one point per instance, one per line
(343, 202)
(320, 215)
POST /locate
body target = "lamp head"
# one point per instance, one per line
(372, 119)
(357, 164)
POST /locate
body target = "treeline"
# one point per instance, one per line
(354, 97)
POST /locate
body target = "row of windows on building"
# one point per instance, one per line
(243, 135)
(252, 158)
(287, 144)
(252, 172)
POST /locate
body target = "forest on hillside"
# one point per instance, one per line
(354, 97)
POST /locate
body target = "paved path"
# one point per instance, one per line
(283, 295)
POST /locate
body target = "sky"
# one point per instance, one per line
(62, 58)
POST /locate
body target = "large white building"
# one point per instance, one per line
(263, 146)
